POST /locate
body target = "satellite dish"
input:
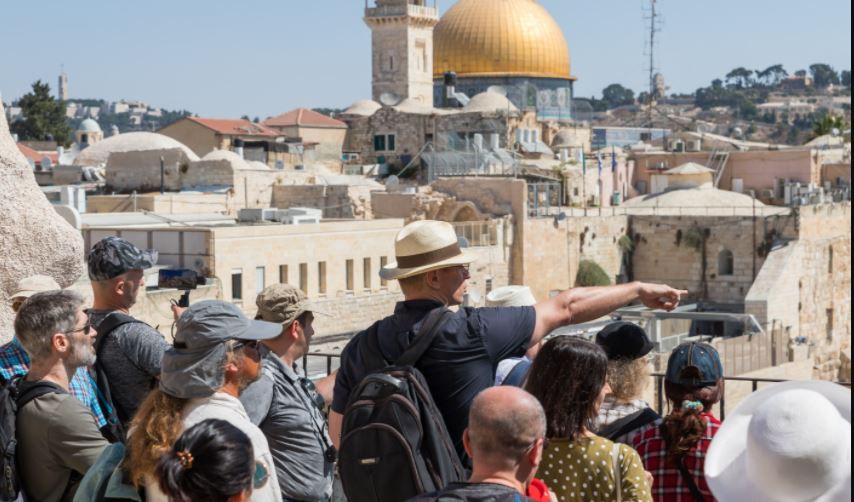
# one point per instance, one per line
(392, 183)
(497, 89)
(389, 99)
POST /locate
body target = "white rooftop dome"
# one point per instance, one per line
(227, 155)
(364, 108)
(567, 138)
(98, 153)
(89, 125)
(487, 102)
(700, 197)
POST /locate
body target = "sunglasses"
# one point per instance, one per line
(84, 329)
(311, 389)
(238, 345)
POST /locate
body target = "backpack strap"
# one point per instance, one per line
(517, 375)
(688, 478)
(618, 471)
(35, 391)
(108, 325)
(424, 339)
(628, 423)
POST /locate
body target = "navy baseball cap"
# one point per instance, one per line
(694, 364)
(193, 367)
(624, 340)
(113, 256)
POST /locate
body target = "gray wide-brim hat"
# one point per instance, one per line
(193, 367)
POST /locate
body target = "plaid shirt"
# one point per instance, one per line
(669, 485)
(14, 361)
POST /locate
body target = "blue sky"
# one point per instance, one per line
(263, 57)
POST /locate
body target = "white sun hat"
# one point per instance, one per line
(788, 442)
(511, 296)
(423, 246)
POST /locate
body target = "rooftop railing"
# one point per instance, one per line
(402, 10)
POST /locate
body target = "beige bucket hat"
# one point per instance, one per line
(29, 286)
(423, 246)
(787, 442)
(511, 296)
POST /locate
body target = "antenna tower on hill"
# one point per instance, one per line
(652, 16)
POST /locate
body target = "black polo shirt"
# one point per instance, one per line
(458, 366)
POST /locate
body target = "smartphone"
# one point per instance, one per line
(182, 279)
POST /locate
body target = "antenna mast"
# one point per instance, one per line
(653, 24)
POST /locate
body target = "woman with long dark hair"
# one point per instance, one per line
(211, 461)
(569, 377)
(674, 449)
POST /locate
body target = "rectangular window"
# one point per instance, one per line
(283, 274)
(366, 273)
(237, 284)
(260, 279)
(303, 277)
(383, 263)
(489, 286)
(830, 324)
(321, 277)
(379, 143)
(349, 275)
(390, 142)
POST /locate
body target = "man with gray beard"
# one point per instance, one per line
(58, 437)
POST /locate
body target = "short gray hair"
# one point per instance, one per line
(42, 316)
(506, 430)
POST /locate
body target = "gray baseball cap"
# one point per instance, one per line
(113, 256)
(193, 366)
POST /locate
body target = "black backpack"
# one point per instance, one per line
(12, 400)
(395, 444)
(114, 431)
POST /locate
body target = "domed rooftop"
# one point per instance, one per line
(98, 153)
(364, 108)
(567, 138)
(487, 38)
(89, 125)
(236, 161)
(699, 197)
(487, 102)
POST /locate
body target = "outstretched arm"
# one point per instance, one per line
(580, 305)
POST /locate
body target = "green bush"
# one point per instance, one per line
(591, 274)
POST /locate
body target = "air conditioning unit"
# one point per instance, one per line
(256, 215)
(695, 145)
(299, 215)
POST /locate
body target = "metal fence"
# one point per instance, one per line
(478, 233)
(316, 363)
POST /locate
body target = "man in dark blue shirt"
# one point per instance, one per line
(433, 271)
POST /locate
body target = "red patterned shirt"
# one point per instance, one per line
(669, 485)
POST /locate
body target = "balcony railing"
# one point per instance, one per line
(319, 365)
(402, 10)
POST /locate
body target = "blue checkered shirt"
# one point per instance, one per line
(14, 361)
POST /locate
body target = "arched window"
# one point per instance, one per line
(726, 263)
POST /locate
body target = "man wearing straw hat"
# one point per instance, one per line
(433, 271)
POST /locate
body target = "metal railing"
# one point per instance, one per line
(477, 233)
(327, 361)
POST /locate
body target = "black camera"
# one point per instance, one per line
(181, 279)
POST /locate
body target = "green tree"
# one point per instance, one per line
(801, 73)
(616, 95)
(590, 274)
(773, 75)
(44, 117)
(827, 123)
(845, 78)
(740, 78)
(824, 75)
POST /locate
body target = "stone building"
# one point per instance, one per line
(326, 133)
(97, 154)
(257, 142)
(88, 133)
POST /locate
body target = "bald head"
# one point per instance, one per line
(503, 423)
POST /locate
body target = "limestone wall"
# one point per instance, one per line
(34, 239)
(337, 201)
(140, 171)
(662, 252)
(169, 203)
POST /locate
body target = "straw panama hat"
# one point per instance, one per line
(511, 296)
(29, 286)
(788, 442)
(423, 246)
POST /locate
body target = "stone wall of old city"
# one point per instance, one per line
(825, 285)
(336, 201)
(662, 252)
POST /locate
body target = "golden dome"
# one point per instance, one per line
(498, 38)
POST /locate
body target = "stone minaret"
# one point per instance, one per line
(62, 88)
(402, 48)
